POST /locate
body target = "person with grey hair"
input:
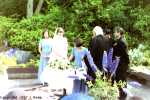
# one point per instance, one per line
(97, 31)
(97, 46)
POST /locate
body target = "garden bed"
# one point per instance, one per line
(16, 72)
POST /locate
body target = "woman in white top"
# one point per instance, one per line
(60, 45)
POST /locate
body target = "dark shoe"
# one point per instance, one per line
(122, 95)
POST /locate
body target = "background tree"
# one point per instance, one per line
(78, 17)
(39, 6)
(29, 8)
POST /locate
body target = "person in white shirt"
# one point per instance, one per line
(60, 45)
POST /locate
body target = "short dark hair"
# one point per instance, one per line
(119, 29)
(107, 31)
(78, 42)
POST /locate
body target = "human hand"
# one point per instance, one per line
(94, 68)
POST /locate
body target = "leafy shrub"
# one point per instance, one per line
(5, 25)
(78, 19)
(32, 63)
(8, 61)
(25, 40)
(132, 41)
(13, 8)
(103, 90)
(147, 57)
(139, 56)
(143, 19)
(27, 33)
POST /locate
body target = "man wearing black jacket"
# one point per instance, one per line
(97, 46)
(120, 50)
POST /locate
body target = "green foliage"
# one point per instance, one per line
(115, 12)
(103, 90)
(6, 61)
(27, 33)
(5, 25)
(13, 8)
(26, 40)
(141, 21)
(139, 56)
(78, 18)
(33, 63)
(142, 16)
(132, 41)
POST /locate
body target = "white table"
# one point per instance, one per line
(59, 79)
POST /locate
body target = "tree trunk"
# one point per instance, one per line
(29, 8)
(39, 6)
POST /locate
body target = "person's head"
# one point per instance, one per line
(78, 42)
(60, 31)
(97, 31)
(45, 34)
(108, 33)
(118, 32)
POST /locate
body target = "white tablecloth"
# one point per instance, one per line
(59, 79)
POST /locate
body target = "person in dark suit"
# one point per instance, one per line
(96, 47)
(120, 50)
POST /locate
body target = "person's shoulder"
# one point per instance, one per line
(84, 49)
(122, 43)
